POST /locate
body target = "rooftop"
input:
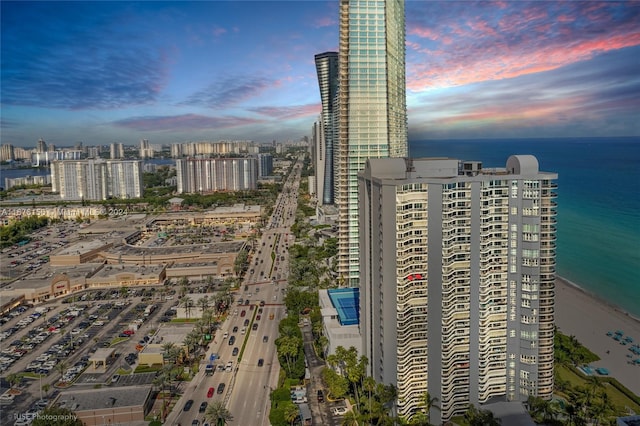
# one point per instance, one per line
(82, 247)
(96, 399)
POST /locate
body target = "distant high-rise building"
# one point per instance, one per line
(372, 108)
(7, 152)
(457, 280)
(265, 165)
(116, 151)
(97, 179)
(93, 152)
(146, 151)
(195, 175)
(327, 70)
(42, 146)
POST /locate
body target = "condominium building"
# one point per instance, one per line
(204, 175)
(265, 165)
(7, 153)
(372, 108)
(97, 179)
(457, 280)
(116, 150)
(325, 141)
(146, 150)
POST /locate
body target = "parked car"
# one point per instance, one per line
(340, 411)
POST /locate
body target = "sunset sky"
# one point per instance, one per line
(103, 72)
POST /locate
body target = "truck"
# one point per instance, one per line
(209, 370)
(149, 310)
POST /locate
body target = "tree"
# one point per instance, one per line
(478, 417)
(55, 416)
(187, 304)
(337, 384)
(217, 413)
(288, 347)
(203, 303)
(46, 387)
(291, 412)
(427, 403)
(13, 379)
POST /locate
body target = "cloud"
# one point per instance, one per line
(183, 122)
(60, 61)
(457, 46)
(575, 99)
(326, 21)
(230, 91)
(289, 112)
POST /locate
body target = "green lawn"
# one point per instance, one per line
(618, 398)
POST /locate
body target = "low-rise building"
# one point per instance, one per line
(339, 308)
(106, 406)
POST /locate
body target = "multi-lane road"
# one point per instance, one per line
(250, 330)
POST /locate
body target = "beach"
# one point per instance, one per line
(589, 318)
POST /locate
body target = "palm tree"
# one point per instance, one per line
(169, 352)
(218, 413)
(369, 384)
(187, 304)
(203, 303)
(351, 419)
(428, 403)
(290, 412)
(61, 367)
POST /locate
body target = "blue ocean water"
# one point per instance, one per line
(598, 204)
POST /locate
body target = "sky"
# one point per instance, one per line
(101, 72)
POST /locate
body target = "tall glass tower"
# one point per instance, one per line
(327, 69)
(372, 108)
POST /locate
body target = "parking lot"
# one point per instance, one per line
(51, 344)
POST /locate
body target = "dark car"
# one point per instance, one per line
(254, 327)
(320, 396)
(220, 388)
(265, 339)
(232, 340)
(243, 313)
(235, 329)
(246, 322)
(260, 362)
(235, 351)
(203, 407)
(188, 405)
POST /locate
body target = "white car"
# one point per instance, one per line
(340, 411)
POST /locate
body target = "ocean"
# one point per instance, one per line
(598, 205)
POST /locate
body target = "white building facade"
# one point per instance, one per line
(457, 280)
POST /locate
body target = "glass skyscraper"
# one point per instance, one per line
(327, 69)
(371, 108)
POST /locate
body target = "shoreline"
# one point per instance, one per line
(588, 317)
(598, 298)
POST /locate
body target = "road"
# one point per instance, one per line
(248, 385)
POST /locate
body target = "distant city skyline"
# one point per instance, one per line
(171, 72)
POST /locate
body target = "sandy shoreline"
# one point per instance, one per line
(588, 318)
